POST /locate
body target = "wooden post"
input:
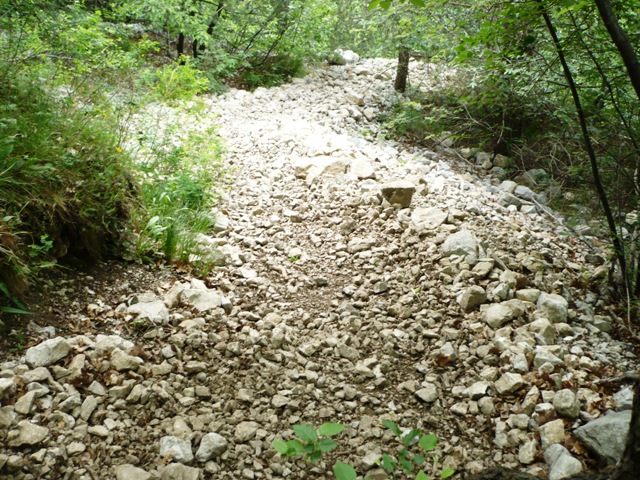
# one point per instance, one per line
(402, 73)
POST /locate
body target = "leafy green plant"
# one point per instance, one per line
(19, 307)
(18, 340)
(406, 460)
(311, 443)
(176, 81)
(180, 175)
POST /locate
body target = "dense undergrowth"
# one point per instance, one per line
(71, 184)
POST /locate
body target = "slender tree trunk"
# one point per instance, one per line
(602, 195)
(622, 43)
(630, 463)
(402, 73)
(180, 46)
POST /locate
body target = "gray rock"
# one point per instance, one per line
(176, 449)
(527, 452)
(155, 311)
(524, 192)
(48, 352)
(566, 403)
(606, 436)
(472, 297)
(211, 445)
(544, 328)
(75, 448)
(428, 394)
(172, 297)
(7, 387)
(554, 307)
(482, 269)
(509, 383)
(344, 57)
(177, 471)
(398, 192)
(460, 243)
(528, 295)
(362, 169)
(380, 287)
(520, 363)
(623, 399)
(27, 434)
(129, 472)
(123, 362)
(544, 356)
(427, 218)
(534, 177)
(313, 167)
(561, 463)
(497, 314)
(107, 343)
(478, 390)
(24, 403)
(552, 432)
(245, 431)
(508, 186)
(201, 300)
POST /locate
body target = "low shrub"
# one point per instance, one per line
(269, 71)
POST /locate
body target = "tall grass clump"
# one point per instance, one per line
(179, 178)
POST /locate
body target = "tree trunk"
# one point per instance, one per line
(630, 463)
(622, 43)
(180, 46)
(402, 73)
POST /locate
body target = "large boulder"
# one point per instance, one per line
(427, 218)
(343, 57)
(48, 352)
(554, 307)
(606, 436)
(398, 192)
(461, 243)
(306, 167)
(155, 311)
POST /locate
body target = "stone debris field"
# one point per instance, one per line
(364, 279)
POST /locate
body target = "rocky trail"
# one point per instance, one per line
(364, 279)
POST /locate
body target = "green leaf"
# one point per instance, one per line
(422, 476)
(14, 310)
(326, 445)
(428, 442)
(373, 4)
(407, 466)
(419, 459)
(295, 448)
(409, 437)
(306, 432)
(392, 426)
(418, 3)
(330, 429)
(385, 4)
(388, 463)
(281, 447)
(447, 472)
(315, 456)
(342, 471)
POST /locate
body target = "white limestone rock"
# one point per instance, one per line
(48, 352)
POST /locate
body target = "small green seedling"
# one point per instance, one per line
(311, 443)
(407, 461)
